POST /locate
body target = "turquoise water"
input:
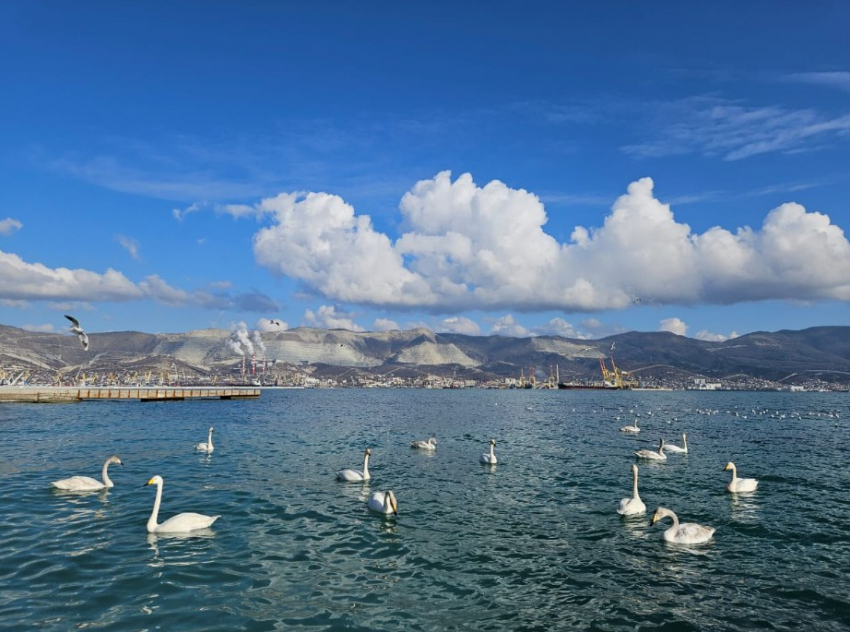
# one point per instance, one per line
(533, 543)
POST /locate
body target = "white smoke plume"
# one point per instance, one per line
(240, 340)
(257, 337)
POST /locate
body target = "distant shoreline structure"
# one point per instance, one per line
(56, 394)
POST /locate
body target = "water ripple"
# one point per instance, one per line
(533, 543)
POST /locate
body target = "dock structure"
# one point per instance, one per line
(52, 394)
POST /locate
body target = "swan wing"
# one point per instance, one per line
(631, 507)
(79, 484)
(743, 485)
(376, 502)
(691, 533)
(351, 476)
(181, 523)
(650, 454)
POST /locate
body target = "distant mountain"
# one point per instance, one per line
(819, 353)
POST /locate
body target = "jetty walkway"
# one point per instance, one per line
(52, 394)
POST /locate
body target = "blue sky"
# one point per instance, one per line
(518, 168)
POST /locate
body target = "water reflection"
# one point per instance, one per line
(183, 556)
(637, 525)
(745, 506)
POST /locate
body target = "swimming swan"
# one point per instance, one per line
(383, 502)
(430, 444)
(652, 455)
(86, 483)
(632, 428)
(675, 448)
(632, 506)
(685, 533)
(181, 523)
(740, 484)
(353, 476)
(491, 456)
(208, 446)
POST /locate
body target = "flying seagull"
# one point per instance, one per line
(75, 328)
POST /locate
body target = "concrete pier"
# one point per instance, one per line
(53, 394)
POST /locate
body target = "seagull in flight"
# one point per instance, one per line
(75, 328)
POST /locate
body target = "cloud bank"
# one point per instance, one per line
(22, 281)
(468, 247)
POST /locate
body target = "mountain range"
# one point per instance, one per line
(818, 354)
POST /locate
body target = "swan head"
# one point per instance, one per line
(661, 512)
(156, 480)
(393, 503)
(368, 452)
(114, 459)
(729, 466)
(211, 429)
(492, 442)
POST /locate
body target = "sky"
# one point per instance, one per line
(514, 168)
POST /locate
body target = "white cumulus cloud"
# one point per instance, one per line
(508, 326)
(560, 327)
(385, 324)
(708, 336)
(9, 226)
(468, 247)
(459, 325)
(674, 326)
(327, 317)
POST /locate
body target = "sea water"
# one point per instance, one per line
(532, 543)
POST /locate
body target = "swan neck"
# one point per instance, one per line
(492, 451)
(209, 441)
(152, 521)
(366, 466)
(672, 531)
(635, 486)
(104, 474)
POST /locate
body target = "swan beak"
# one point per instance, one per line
(654, 519)
(150, 482)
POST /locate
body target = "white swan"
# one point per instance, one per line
(352, 476)
(632, 428)
(632, 506)
(685, 533)
(383, 502)
(181, 523)
(430, 444)
(652, 455)
(491, 456)
(675, 448)
(208, 446)
(740, 484)
(86, 483)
